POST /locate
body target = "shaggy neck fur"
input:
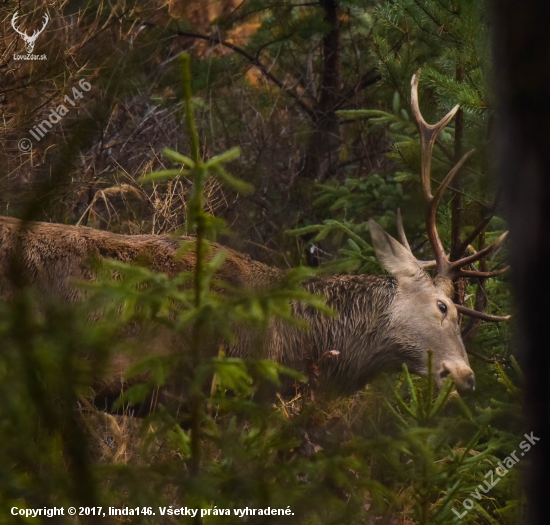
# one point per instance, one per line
(361, 332)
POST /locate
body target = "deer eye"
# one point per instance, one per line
(442, 307)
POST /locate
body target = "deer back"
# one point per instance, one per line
(47, 256)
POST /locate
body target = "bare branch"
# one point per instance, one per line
(255, 61)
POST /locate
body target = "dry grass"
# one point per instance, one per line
(124, 438)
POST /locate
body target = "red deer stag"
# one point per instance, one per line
(383, 321)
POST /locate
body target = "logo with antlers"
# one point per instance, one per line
(29, 39)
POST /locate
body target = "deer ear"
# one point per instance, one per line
(393, 256)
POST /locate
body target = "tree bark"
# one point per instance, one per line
(456, 202)
(324, 141)
(522, 46)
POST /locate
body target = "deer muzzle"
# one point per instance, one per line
(461, 373)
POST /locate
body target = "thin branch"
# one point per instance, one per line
(364, 82)
(254, 61)
(479, 356)
(253, 12)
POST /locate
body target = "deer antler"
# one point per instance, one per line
(403, 239)
(428, 134)
(481, 315)
(445, 267)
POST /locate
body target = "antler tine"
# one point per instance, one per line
(485, 275)
(428, 134)
(431, 215)
(456, 265)
(426, 265)
(481, 315)
(401, 231)
(448, 179)
(474, 234)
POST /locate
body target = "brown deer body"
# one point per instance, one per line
(382, 322)
(47, 255)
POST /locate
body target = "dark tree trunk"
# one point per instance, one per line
(522, 46)
(324, 142)
(481, 300)
(456, 203)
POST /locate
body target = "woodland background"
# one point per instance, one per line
(316, 96)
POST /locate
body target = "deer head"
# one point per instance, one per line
(424, 305)
(29, 39)
(423, 316)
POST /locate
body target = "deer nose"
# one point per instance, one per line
(462, 375)
(471, 382)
